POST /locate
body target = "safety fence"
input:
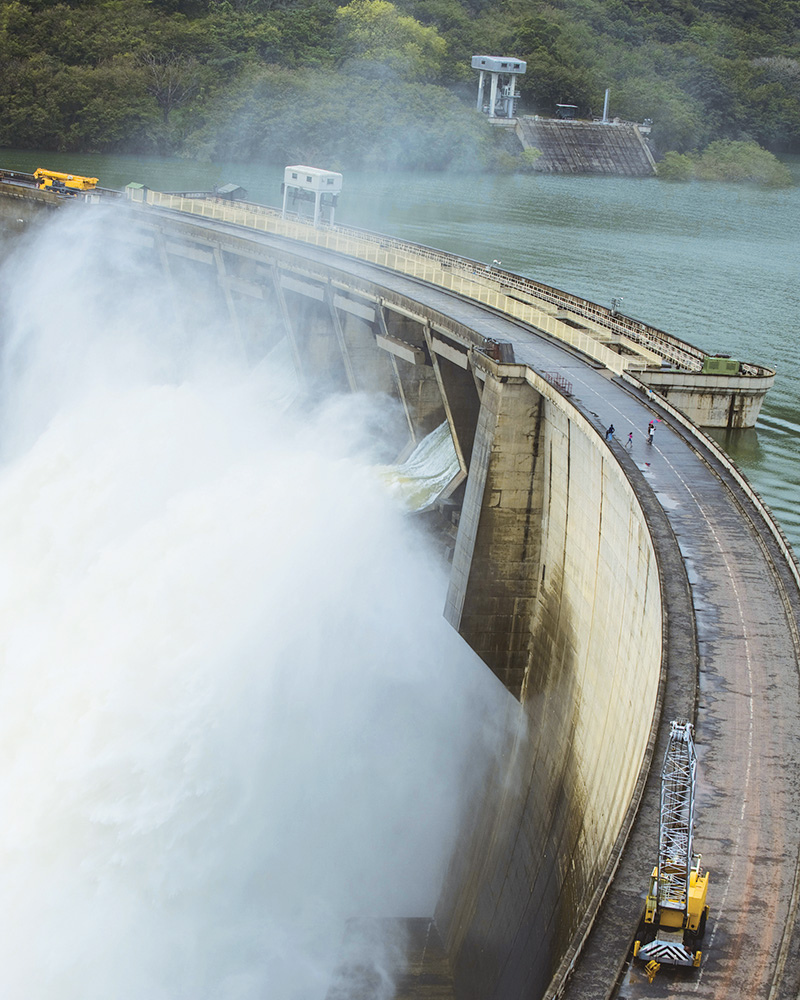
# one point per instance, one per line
(513, 295)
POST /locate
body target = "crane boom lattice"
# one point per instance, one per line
(677, 818)
(675, 914)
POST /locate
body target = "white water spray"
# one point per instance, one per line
(231, 715)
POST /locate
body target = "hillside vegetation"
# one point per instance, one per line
(374, 83)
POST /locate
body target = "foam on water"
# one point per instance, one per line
(231, 715)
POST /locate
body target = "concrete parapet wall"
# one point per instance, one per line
(591, 615)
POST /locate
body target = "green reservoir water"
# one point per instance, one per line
(715, 264)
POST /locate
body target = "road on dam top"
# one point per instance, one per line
(748, 702)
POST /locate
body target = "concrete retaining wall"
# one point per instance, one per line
(592, 619)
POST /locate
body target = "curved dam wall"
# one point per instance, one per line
(558, 587)
(554, 579)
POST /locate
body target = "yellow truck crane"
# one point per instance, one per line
(675, 911)
(63, 183)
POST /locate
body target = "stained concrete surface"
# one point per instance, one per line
(579, 147)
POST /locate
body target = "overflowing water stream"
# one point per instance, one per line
(209, 760)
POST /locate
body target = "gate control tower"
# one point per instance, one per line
(503, 94)
(311, 184)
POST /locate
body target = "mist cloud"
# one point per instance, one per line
(232, 714)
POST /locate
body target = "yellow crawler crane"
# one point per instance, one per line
(675, 911)
(67, 183)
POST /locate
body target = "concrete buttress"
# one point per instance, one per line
(497, 555)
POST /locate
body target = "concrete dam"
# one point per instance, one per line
(610, 590)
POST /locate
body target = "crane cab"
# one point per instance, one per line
(673, 934)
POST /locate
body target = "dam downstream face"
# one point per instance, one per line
(232, 714)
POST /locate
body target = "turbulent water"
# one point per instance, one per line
(427, 474)
(231, 715)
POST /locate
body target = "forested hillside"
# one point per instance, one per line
(374, 83)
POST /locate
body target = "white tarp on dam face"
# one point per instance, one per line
(427, 473)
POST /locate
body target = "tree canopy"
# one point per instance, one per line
(191, 75)
(379, 39)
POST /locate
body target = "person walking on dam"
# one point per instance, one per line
(629, 442)
(651, 430)
(610, 433)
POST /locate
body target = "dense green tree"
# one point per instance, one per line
(725, 160)
(163, 74)
(47, 105)
(376, 39)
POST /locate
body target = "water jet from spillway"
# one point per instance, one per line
(232, 715)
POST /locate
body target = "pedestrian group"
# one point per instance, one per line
(651, 430)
